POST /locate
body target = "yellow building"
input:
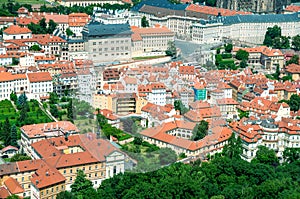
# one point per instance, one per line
(102, 101)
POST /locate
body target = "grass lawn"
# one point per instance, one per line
(26, 1)
(8, 111)
(149, 57)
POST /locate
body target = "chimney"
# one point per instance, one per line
(36, 182)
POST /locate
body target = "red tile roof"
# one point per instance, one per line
(13, 186)
(15, 29)
(39, 77)
(214, 11)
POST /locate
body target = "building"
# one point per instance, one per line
(257, 6)
(118, 17)
(83, 3)
(12, 83)
(76, 22)
(9, 151)
(151, 40)
(232, 27)
(16, 32)
(154, 93)
(107, 42)
(294, 71)
(36, 132)
(176, 135)
(39, 85)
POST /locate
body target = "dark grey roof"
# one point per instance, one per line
(161, 4)
(75, 40)
(98, 29)
(260, 18)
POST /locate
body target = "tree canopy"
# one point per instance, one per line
(242, 55)
(200, 130)
(296, 42)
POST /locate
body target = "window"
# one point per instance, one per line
(94, 43)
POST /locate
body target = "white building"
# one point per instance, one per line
(119, 17)
(16, 32)
(12, 83)
(155, 93)
(39, 85)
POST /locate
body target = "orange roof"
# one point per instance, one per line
(293, 68)
(7, 76)
(15, 30)
(261, 49)
(13, 186)
(46, 176)
(139, 33)
(57, 18)
(214, 11)
(36, 130)
(3, 192)
(292, 8)
(39, 77)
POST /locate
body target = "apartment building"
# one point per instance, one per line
(70, 3)
(12, 83)
(247, 28)
(76, 22)
(154, 93)
(150, 40)
(39, 85)
(107, 42)
(36, 132)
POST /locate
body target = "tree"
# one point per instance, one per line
(243, 114)
(22, 100)
(200, 130)
(294, 102)
(65, 195)
(266, 156)
(291, 155)
(13, 97)
(101, 120)
(6, 129)
(43, 24)
(272, 33)
(137, 141)
(167, 156)
(13, 197)
(281, 42)
(35, 47)
(82, 187)
(51, 26)
(178, 105)
(293, 60)
(19, 157)
(70, 111)
(234, 148)
(144, 22)
(54, 111)
(243, 64)
(13, 136)
(69, 32)
(228, 48)
(53, 98)
(296, 42)
(242, 55)
(171, 51)
(15, 61)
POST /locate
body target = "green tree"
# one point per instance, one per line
(22, 100)
(15, 61)
(43, 24)
(13, 97)
(13, 136)
(281, 42)
(35, 47)
(228, 48)
(82, 187)
(178, 105)
(13, 197)
(54, 111)
(243, 114)
(266, 156)
(101, 120)
(167, 156)
(19, 157)
(291, 155)
(242, 55)
(171, 51)
(69, 32)
(144, 22)
(53, 98)
(234, 148)
(294, 102)
(65, 195)
(296, 42)
(243, 64)
(293, 60)
(271, 34)
(70, 111)
(6, 129)
(200, 130)
(51, 26)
